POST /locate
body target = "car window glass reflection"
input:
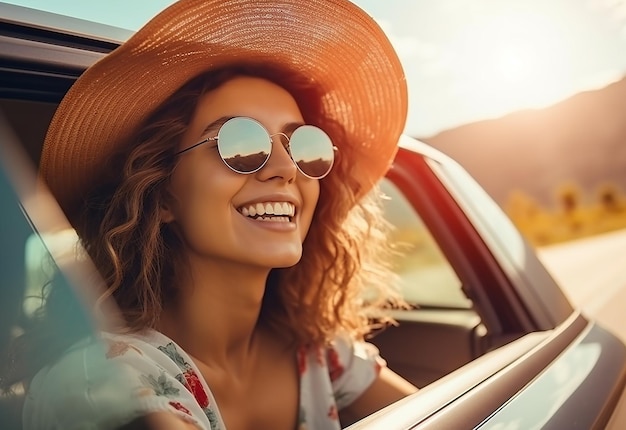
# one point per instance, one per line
(427, 278)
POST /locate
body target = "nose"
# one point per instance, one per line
(280, 165)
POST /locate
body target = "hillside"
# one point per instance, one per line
(581, 140)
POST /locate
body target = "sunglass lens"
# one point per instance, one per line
(244, 145)
(312, 150)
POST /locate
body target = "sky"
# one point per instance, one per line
(465, 60)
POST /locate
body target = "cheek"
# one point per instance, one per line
(204, 192)
(310, 196)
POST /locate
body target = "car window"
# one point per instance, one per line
(427, 278)
(28, 269)
(40, 267)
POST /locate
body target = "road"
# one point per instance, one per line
(592, 272)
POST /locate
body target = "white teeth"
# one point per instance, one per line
(275, 211)
(274, 219)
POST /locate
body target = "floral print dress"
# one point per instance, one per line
(107, 382)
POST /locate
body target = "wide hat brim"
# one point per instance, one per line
(333, 42)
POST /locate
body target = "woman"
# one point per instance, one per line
(218, 168)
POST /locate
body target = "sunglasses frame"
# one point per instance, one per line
(270, 136)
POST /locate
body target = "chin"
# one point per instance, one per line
(283, 263)
(280, 256)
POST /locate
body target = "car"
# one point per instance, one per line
(490, 338)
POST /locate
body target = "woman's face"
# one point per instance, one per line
(211, 203)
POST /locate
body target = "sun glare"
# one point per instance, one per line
(513, 66)
(515, 59)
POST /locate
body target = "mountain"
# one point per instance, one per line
(580, 141)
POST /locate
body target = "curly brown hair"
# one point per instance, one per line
(343, 282)
(345, 253)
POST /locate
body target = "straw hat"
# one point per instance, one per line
(333, 42)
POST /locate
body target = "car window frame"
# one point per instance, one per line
(483, 280)
(531, 283)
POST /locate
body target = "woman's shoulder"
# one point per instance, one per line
(349, 365)
(110, 379)
(148, 345)
(77, 390)
(342, 350)
(332, 376)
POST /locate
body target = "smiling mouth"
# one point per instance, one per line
(269, 211)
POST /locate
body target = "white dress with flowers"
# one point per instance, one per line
(105, 384)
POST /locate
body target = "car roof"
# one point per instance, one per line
(43, 20)
(124, 14)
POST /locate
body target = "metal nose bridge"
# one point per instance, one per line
(280, 133)
(286, 144)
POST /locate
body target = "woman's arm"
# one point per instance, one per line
(386, 389)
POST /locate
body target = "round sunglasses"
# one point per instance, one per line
(245, 146)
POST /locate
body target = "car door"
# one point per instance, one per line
(529, 360)
(462, 303)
